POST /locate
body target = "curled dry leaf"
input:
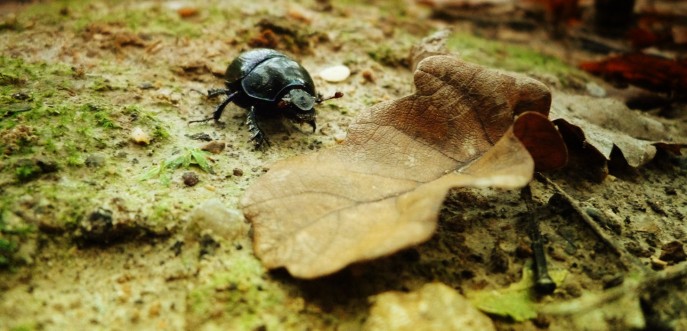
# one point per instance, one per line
(605, 124)
(381, 189)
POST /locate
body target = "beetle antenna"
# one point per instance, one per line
(336, 95)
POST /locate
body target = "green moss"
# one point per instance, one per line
(103, 120)
(25, 327)
(392, 52)
(7, 248)
(98, 115)
(160, 215)
(149, 18)
(246, 299)
(72, 203)
(100, 85)
(10, 23)
(11, 236)
(509, 57)
(52, 100)
(146, 118)
(14, 72)
(52, 107)
(153, 19)
(191, 156)
(389, 56)
(52, 13)
(27, 171)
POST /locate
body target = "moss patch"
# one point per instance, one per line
(510, 57)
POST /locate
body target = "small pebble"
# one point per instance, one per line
(339, 138)
(435, 306)
(238, 172)
(202, 136)
(20, 96)
(595, 90)
(213, 217)
(335, 74)
(146, 86)
(94, 161)
(139, 136)
(673, 252)
(186, 12)
(300, 14)
(190, 178)
(214, 147)
(368, 76)
(658, 264)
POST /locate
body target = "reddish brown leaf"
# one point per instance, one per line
(381, 189)
(646, 71)
(642, 38)
(544, 144)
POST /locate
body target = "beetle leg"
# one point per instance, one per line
(220, 108)
(313, 125)
(217, 91)
(257, 135)
(218, 111)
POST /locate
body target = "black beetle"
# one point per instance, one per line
(267, 82)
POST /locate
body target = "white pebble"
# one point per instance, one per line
(214, 217)
(335, 74)
(139, 136)
(595, 90)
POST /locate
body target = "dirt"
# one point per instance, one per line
(102, 230)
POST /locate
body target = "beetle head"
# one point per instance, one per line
(298, 107)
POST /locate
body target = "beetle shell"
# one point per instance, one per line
(266, 74)
(266, 83)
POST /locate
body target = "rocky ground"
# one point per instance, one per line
(118, 214)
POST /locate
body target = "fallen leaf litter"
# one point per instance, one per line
(382, 188)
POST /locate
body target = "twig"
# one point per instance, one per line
(543, 283)
(657, 278)
(634, 287)
(626, 258)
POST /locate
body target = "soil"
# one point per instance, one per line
(105, 188)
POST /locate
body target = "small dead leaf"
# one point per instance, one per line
(517, 300)
(433, 307)
(381, 189)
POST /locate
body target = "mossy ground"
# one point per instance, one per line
(76, 79)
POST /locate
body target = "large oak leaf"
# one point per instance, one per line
(382, 188)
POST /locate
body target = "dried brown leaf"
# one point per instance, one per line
(435, 306)
(607, 123)
(382, 188)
